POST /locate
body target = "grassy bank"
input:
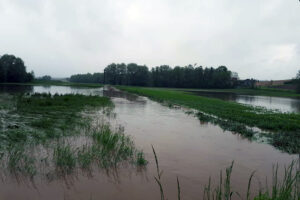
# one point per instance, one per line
(39, 133)
(57, 83)
(272, 92)
(233, 116)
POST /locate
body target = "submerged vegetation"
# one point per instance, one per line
(38, 117)
(39, 133)
(234, 116)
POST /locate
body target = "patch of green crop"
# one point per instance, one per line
(140, 160)
(39, 117)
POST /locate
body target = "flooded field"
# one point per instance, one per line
(276, 103)
(186, 148)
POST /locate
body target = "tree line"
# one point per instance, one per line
(87, 78)
(13, 70)
(162, 76)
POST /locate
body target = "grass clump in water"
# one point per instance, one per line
(64, 158)
(85, 157)
(20, 163)
(111, 148)
(107, 149)
(287, 141)
(140, 160)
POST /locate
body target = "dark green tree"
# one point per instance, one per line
(137, 75)
(110, 74)
(298, 82)
(12, 69)
(46, 78)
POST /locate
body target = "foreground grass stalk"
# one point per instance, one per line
(159, 174)
(178, 189)
(249, 185)
(286, 189)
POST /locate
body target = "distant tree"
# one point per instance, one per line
(298, 82)
(161, 76)
(137, 75)
(46, 78)
(2, 73)
(29, 77)
(121, 71)
(110, 74)
(235, 75)
(12, 69)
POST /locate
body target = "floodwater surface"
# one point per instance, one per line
(186, 148)
(274, 103)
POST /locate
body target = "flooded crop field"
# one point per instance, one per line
(186, 147)
(276, 103)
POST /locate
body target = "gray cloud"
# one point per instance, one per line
(256, 38)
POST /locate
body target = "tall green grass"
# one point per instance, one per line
(64, 158)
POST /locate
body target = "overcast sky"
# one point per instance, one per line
(257, 38)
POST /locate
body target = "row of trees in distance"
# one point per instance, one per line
(162, 76)
(87, 78)
(12, 69)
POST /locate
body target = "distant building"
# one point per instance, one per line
(281, 84)
(248, 83)
(272, 83)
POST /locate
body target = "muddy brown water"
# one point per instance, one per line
(186, 148)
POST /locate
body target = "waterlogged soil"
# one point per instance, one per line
(275, 103)
(186, 148)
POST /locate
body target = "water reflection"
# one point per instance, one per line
(68, 90)
(275, 103)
